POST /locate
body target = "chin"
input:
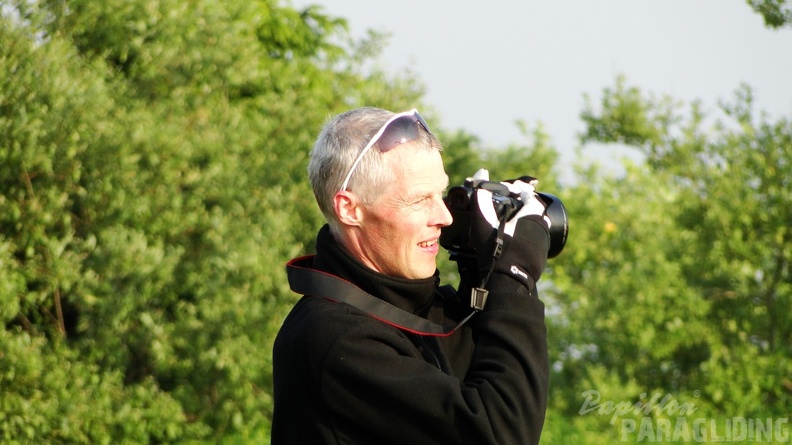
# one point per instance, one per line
(427, 272)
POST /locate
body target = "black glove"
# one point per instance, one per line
(517, 246)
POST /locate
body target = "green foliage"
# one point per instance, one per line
(679, 280)
(152, 185)
(538, 158)
(620, 289)
(626, 117)
(776, 13)
(49, 394)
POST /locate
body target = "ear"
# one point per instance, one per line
(347, 208)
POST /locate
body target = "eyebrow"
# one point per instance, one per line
(423, 193)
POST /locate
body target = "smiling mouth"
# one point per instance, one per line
(428, 243)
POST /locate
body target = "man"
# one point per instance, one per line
(358, 370)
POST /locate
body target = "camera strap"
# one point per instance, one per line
(305, 280)
(478, 295)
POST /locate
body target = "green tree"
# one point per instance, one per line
(152, 184)
(678, 275)
(152, 165)
(776, 13)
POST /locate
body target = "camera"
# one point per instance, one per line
(456, 238)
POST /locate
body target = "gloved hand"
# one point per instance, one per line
(523, 254)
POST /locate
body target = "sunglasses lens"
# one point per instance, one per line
(400, 131)
(422, 122)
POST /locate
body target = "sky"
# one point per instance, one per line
(486, 65)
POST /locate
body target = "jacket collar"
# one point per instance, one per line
(414, 296)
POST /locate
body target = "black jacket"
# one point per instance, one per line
(344, 377)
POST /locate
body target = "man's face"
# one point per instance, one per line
(399, 231)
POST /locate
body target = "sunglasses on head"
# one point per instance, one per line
(399, 129)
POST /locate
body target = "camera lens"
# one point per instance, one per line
(559, 224)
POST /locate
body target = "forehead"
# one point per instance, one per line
(417, 168)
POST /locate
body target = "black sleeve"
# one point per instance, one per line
(380, 390)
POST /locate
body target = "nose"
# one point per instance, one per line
(442, 217)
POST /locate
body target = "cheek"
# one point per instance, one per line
(381, 228)
(395, 229)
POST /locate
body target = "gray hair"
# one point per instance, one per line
(335, 150)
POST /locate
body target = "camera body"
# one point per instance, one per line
(456, 238)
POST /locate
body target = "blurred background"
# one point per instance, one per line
(152, 187)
